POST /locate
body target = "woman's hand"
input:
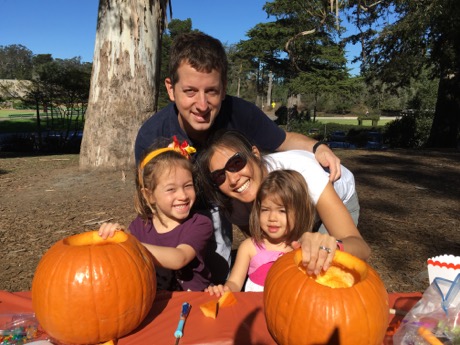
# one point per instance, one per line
(317, 251)
(108, 230)
(217, 290)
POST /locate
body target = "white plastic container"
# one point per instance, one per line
(443, 266)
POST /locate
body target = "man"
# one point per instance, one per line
(197, 88)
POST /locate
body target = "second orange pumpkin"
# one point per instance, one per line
(349, 302)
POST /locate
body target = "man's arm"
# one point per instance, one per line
(323, 154)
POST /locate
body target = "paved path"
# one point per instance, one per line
(319, 118)
(353, 117)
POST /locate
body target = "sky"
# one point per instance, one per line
(67, 28)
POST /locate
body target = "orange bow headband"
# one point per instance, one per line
(184, 149)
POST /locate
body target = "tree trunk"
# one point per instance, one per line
(238, 87)
(446, 123)
(124, 80)
(269, 89)
(259, 101)
(39, 124)
(239, 81)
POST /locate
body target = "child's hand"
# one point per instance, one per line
(108, 230)
(217, 290)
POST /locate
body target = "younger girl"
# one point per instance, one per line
(281, 213)
(165, 225)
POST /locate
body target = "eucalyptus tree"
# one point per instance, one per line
(124, 81)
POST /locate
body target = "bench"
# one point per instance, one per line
(21, 115)
(375, 122)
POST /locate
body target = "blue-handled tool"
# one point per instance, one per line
(183, 316)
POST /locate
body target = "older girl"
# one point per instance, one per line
(175, 236)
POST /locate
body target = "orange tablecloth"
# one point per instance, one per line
(243, 323)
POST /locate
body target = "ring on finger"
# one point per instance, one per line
(328, 250)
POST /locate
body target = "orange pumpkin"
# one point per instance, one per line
(349, 303)
(87, 290)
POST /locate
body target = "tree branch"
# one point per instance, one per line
(367, 7)
(286, 46)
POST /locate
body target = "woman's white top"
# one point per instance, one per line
(305, 163)
(316, 177)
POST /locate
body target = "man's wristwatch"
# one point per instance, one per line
(315, 147)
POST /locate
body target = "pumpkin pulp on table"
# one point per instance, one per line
(211, 308)
(227, 299)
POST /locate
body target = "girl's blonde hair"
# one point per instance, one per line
(291, 189)
(148, 173)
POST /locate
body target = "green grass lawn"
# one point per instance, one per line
(27, 124)
(4, 113)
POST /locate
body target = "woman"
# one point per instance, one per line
(231, 170)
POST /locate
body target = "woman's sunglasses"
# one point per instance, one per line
(234, 164)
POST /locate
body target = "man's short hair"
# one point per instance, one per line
(203, 52)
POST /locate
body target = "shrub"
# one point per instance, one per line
(19, 105)
(411, 130)
(19, 142)
(358, 137)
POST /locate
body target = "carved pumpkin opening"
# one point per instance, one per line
(339, 275)
(91, 238)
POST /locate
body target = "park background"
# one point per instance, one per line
(395, 122)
